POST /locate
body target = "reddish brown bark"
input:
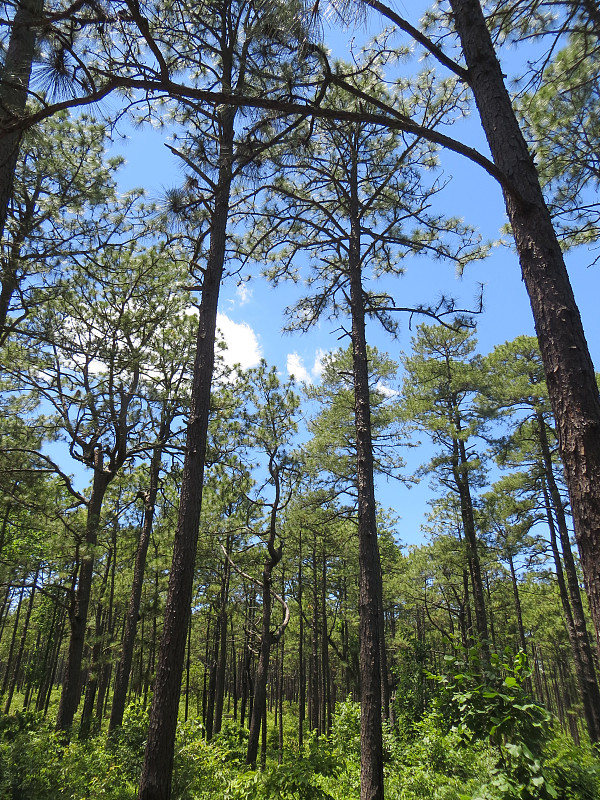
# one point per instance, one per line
(567, 364)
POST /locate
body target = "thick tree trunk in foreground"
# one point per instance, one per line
(370, 592)
(14, 91)
(569, 370)
(155, 782)
(575, 619)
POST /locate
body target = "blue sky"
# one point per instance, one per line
(252, 315)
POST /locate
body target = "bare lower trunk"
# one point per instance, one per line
(124, 665)
(78, 610)
(155, 782)
(459, 469)
(585, 670)
(567, 364)
(370, 591)
(267, 639)
(222, 660)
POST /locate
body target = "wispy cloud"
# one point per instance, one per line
(295, 367)
(243, 293)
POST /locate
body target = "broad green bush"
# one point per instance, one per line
(455, 752)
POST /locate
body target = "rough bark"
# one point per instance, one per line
(370, 591)
(567, 364)
(585, 670)
(155, 782)
(14, 91)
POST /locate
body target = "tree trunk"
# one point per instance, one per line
(313, 696)
(584, 660)
(370, 591)
(14, 91)
(568, 367)
(212, 683)
(9, 658)
(124, 665)
(222, 660)
(17, 667)
(517, 599)
(301, 670)
(461, 478)
(96, 657)
(155, 782)
(326, 672)
(106, 663)
(267, 639)
(54, 662)
(78, 608)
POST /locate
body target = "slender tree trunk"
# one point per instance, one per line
(55, 658)
(155, 783)
(106, 663)
(459, 469)
(326, 673)
(5, 608)
(139, 567)
(517, 599)
(31, 669)
(301, 670)
(313, 709)
(370, 591)
(9, 658)
(222, 660)
(78, 609)
(280, 698)
(96, 657)
(267, 639)
(212, 682)
(187, 668)
(44, 670)
(17, 666)
(568, 367)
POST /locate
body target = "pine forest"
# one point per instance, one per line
(375, 578)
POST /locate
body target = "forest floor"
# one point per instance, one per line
(425, 760)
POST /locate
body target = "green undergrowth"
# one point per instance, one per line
(431, 759)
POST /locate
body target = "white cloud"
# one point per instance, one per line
(244, 293)
(318, 366)
(386, 391)
(295, 367)
(242, 343)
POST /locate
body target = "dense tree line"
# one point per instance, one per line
(274, 579)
